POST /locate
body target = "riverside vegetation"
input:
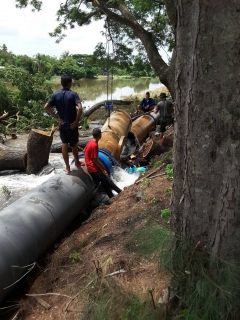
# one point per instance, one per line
(26, 83)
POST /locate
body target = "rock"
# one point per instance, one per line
(164, 297)
(139, 195)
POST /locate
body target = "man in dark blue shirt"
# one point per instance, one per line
(147, 104)
(69, 111)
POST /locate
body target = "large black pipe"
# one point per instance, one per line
(29, 226)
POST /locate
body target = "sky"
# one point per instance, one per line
(26, 32)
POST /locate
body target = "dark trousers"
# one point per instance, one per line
(107, 183)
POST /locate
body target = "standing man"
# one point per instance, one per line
(165, 108)
(95, 166)
(147, 104)
(69, 111)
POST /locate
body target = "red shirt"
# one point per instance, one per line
(91, 152)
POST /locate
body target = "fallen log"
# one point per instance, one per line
(57, 147)
(12, 158)
(38, 149)
(96, 106)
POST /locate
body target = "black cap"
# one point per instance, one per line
(163, 95)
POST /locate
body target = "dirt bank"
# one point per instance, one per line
(76, 279)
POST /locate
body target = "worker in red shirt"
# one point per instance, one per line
(95, 166)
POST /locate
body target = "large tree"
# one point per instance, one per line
(204, 78)
(206, 197)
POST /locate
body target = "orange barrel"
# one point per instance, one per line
(143, 125)
(114, 133)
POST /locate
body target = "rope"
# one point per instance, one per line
(108, 40)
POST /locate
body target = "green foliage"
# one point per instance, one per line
(207, 286)
(169, 171)
(74, 256)
(142, 310)
(145, 183)
(168, 190)
(150, 15)
(84, 123)
(147, 241)
(166, 214)
(157, 163)
(28, 95)
(166, 157)
(154, 200)
(6, 57)
(6, 97)
(5, 190)
(80, 65)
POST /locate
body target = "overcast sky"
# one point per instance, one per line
(26, 32)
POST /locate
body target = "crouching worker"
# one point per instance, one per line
(95, 166)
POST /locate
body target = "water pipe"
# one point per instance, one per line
(143, 125)
(29, 226)
(114, 133)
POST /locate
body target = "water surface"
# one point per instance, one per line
(92, 91)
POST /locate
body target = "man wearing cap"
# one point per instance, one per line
(147, 104)
(165, 108)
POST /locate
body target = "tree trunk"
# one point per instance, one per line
(38, 149)
(206, 202)
(96, 106)
(57, 147)
(12, 158)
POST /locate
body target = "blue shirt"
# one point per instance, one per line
(65, 101)
(150, 102)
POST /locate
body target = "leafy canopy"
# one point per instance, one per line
(123, 21)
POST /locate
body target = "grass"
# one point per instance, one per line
(207, 287)
(169, 171)
(109, 301)
(166, 157)
(74, 256)
(147, 241)
(145, 183)
(166, 214)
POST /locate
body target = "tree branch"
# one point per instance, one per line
(146, 37)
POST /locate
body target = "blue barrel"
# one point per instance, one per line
(113, 160)
(107, 160)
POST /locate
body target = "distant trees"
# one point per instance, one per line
(78, 65)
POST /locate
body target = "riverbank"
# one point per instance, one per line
(56, 79)
(108, 266)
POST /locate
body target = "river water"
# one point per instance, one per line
(13, 185)
(92, 91)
